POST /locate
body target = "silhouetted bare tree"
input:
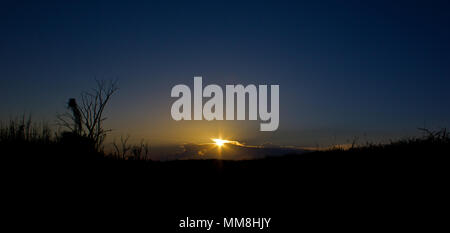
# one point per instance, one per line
(123, 148)
(86, 119)
(141, 151)
(125, 151)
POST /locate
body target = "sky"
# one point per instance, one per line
(372, 70)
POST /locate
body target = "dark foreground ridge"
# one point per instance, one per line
(66, 184)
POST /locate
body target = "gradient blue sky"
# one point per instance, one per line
(370, 69)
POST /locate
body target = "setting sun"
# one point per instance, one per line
(220, 142)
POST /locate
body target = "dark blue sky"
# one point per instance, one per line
(345, 68)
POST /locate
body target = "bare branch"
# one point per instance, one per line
(91, 111)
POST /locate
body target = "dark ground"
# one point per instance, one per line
(398, 187)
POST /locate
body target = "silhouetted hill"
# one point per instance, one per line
(64, 181)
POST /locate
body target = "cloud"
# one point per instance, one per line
(233, 151)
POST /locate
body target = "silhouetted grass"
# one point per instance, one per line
(23, 140)
(430, 145)
(23, 130)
